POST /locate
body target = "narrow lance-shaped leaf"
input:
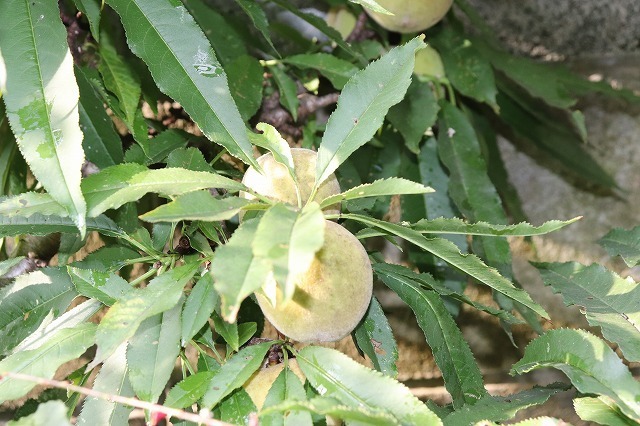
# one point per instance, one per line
(607, 300)
(152, 353)
(111, 379)
(258, 17)
(288, 90)
(125, 316)
(289, 240)
(38, 224)
(363, 104)
(337, 70)
(184, 66)
(189, 390)
(335, 375)
(120, 79)
(501, 408)
(364, 415)
(37, 295)
(197, 205)
(198, 307)
(66, 345)
(443, 225)
(47, 330)
(450, 253)
(602, 411)
(624, 243)
(588, 362)
(236, 271)
(286, 387)
(41, 96)
(374, 337)
(117, 185)
(427, 282)
(372, 5)
(460, 372)
(379, 188)
(50, 412)
(91, 9)
(236, 407)
(102, 143)
(234, 373)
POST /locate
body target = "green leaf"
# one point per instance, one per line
(197, 205)
(470, 188)
(320, 24)
(469, 72)
(541, 79)
(443, 225)
(107, 258)
(362, 105)
(416, 113)
(152, 353)
(152, 151)
(533, 122)
(288, 90)
(38, 224)
(189, 390)
(426, 281)
(47, 413)
(234, 373)
(103, 286)
(112, 379)
(126, 315)
(225, 38)
(378, 188)
(624, 243)
(228, 331)
(286, 387)
(72, 318)
(601, 410)
(361, 415)
(501, 408)
(245, 82)
(198, 307)
(33, 297)
(236, 407)
(29, 203)
(117, 185)
(335, 375)
(184, 66)
(91, 9)
(460, 372)
(65, 345)
(41, 98)
(259, 19)
(588, 362)
(188, 158)
(288, 240)
(119, 78)
(374, 337)
(102, 145)
(450, 253)
(336, 70)
(236, 271)
(607, 300)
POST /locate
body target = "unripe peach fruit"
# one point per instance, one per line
(410, 16)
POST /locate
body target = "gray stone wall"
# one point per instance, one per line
(565, 27)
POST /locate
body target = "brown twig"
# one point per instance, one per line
(360, 31)
(133, 402)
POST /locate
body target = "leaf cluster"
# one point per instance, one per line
(131, 122)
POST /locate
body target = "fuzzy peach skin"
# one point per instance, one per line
(331, 297)
(276, 182)
(410, 16)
